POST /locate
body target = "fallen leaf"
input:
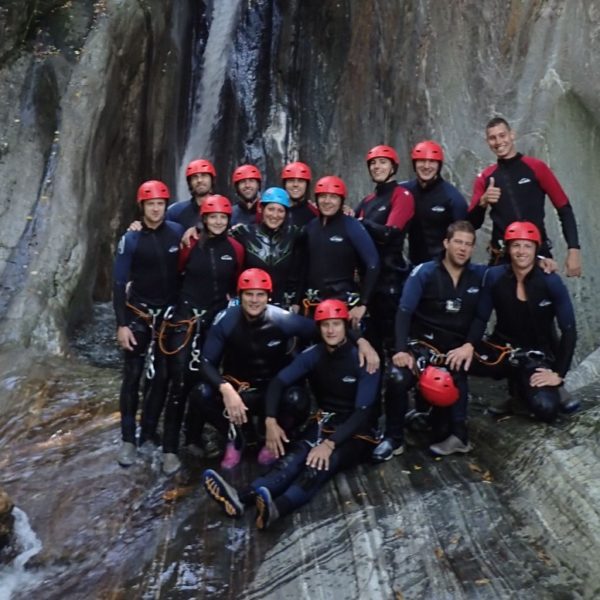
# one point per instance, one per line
(439, 553)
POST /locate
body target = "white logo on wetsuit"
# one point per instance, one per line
(173, 249)
(273, 343)
(524, 180)
(349, 379)
(472, 290)
(438, 209)
(382, 208)
(336, 238)
(545, 302)
(122, 245)
(226, 257)
(428, 336)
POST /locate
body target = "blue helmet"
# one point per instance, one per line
(277, 195)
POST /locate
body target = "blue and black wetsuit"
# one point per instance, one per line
(279, 253)
(434, 311)
(245, 214)
(528, 325)
(302, 213)
(437, 205)
(345, 394)
(147, 261)
(185, 212)
(252, 352)
(210, 268)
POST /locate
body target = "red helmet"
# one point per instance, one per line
(200, 166)
(215, 204)
(255, 279)
(522, 230)
(383, 152)
(149, 190)
(296, 170)
(331, 185)
(246, 172)
(331, 309)
(437, 386)
(427, 150)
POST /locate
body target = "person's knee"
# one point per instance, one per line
(297, 401)
(399, 377)
(544, 404)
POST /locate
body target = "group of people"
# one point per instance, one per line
(284, 319)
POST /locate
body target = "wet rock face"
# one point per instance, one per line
(6, 522)
(91, 96)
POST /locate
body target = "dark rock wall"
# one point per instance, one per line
(95, 98)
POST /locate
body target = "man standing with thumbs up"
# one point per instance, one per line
(515, 189)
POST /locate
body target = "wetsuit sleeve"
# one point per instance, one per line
(550, 184)
(184, 254)
(458, 203)
(298, 326)
(485, 306)
(565, 316)
(403, 210)
(121, 275)
(240, 254)
(366, 395)
(364, 246)
(411, 296)
(476, 213)
(295, 371)
(216, 338)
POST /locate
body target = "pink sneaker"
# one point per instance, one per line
(232, 457)
(266, 457)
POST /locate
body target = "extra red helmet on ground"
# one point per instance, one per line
(522, 230)
(296, 170)
(438, 387)
(331, 309)
(198, 166)
(331, 185)
(246, 172)
(215, 204)
(255, 279)
(383, 152)
(150, 190)
(428, 150)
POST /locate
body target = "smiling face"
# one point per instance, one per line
(273, 215)
(153, 212)
(381, 169)
(296, 188)
(329, 204)
(427, 170)
(501, 141)
(333, 331)
(253, 302)
(522, 253)
(216, 223)
(248, 189)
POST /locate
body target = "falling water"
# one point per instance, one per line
(15, 577)
(214, 68)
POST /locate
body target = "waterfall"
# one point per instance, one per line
(206, 106)
(14, 576)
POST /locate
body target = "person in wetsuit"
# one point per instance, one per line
(437, 203)
(528, 303)
(246, 180)
(337, 437)
(338, 248)
(295, 178)
(210, 267)
(515, 188)
(433, 321)
(274, 245)
(200, 175)
(145, 283)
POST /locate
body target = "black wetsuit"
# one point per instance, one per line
(528, 325)
(185, 212)
(244, 214)
(345, 394)
(148, 259)
(210, 266)
(432, 310)
(301, 213)
(279, 253)
(524, 181)
(437, 205)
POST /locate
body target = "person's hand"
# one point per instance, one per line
(543, 377)
(491, 194)
(573, 262)
(318, 457)
(548, 265)
(348, 210)
(295, 308)
(367, 357)
(403, 359)
(135, 226)
(356, 314)
(189, 235)
(125, 338)
(460, 357)
(234, 405)
(275, 437)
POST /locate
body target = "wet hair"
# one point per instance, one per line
(457, 226)
(497, 121)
